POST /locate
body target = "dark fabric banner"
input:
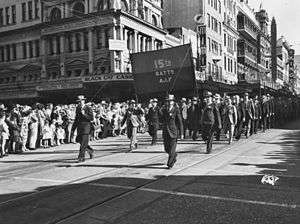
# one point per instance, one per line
(165, 70)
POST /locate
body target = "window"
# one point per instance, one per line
(30, 15)
(37, 48)
(24, 49)
(99, 39)
(14, 52)
(2, 54)
(57, 39)
(209, 44)
(78, 41)
(107, 36)
(220, 48)
(220, 11)
(209, 68)
(235, 67)
(24, 11)
(1, 17)
(103, 5)
(13, 12)
(7, 15)
(55, 15)
(70, 43)
(208, 20)
(51, 47)
(36, 8)
(30, 49)
(154, 20)
(7, 52)
(220, 28)
(224, 39)
(124, 6)
(86, 41)
(78, 9)
(225, 63)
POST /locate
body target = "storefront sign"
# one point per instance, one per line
(59, 86)
(18, 95)
(109, 77)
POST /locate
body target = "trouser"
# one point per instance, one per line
(238, 130)
(264, 123)
(218, 134)
(84, 145)
(133, 138)
(255, 126)
(207, 136)
(231, 132)
(170, 145)
(68, 132)
(195, 135)
(153, 129)
(185, 127)
(247, 125)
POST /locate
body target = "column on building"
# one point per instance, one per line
(73, 36)
(152, 44)
(112, 35)
(44, 56)
(103, 37)
(122, 37)
(82, 40)
(62, 39)
(135, 42)
(19, 51)
(91, 46)
(28, 49)
(54, 42)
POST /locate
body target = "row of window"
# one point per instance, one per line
(214, 70)
(230, 42)
(25, 78)
(214, 24)
(29, 49)
(30, 11)
(214, 46)
(8, 15)
(27, 10)
(230, 65)
(216, 4)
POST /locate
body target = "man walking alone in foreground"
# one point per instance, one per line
(84, 116)
(172, 126)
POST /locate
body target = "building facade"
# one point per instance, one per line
(206, 17)
(230, 38)
(54, 48)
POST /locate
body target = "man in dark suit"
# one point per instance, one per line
(172, 124)
(84, 117)
(210, 121)
(218, 111)
(265, 109)
(240, 117)
(193, 117)
(248, 107)
(153, 120)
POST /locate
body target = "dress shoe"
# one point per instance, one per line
(90, 151)
(172, 161)
(81, 160)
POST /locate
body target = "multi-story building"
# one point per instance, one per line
(283, 50)
(205, 16)
(230, 39)
(248, 43)
(55, 48)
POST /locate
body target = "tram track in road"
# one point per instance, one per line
(125, 170)
(130, 190)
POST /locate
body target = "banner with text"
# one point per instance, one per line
(164, 70)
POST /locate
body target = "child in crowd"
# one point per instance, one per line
(47, 134)
(60, 134)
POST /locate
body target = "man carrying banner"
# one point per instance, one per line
(172, 124)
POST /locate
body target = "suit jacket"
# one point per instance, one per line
(172, 121)
(249, 109)
(194, 117)
(230, 115)
(153, 117)
(240, 112)
(83, 121)
(265, 109)
(257, 111)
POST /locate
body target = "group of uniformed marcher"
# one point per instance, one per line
(210, 117)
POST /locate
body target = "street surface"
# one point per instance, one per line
(48, 186)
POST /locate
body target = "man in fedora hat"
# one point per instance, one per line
(172, 126)
(210, 120)
(153, 120)
(194, 115)
(132, 124)
(248, 107)
(84, 117)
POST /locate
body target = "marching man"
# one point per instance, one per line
(172, 126)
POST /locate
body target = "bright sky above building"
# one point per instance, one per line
(287, 14)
